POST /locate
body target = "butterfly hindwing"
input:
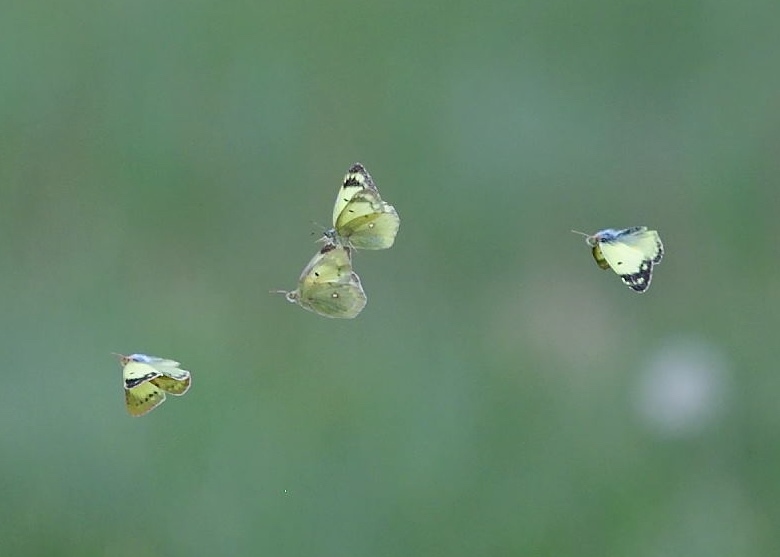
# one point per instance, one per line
(341, 300)
(367, 222)
(143, 398)
(171, 385)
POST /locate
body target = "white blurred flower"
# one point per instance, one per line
(683, 388)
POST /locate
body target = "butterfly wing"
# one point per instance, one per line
(360, 216)
(148, 378)
(632, 254)
(328, 286)
(162, 362)
(170, 368)
(172, 385)
(339, 300)
(599, 257)
(356, 180)
(135, 373)
(647, 241)
(143, 398)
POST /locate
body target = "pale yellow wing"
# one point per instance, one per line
(332, 263)
(632, 255)
(356, 179)
(170, 385)
(148, 378)
(599, 257)
(343, 300)
(361, 218)
(139, 368)
(171, 369)
(143, 398)
(328, 286)
(134, 373)
(367, 222)
(647, 242)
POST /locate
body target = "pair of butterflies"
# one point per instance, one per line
(147, 379)
(630, 252)
(328, 285)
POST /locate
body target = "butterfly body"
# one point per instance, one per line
(630, 252)
(147, 379)
(328, 286)
(361, 219)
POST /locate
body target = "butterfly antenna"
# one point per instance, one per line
(319, 226)
(322, 230)
(290, 296)
(581, 233)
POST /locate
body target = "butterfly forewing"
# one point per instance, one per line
(640, 280)
(163, 363)
(642, 249)
(331, 264)
(646, 241)
(135, 373)
(356, 180)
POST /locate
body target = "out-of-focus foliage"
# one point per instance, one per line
(163, 165)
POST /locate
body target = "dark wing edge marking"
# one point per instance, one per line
(639, 281)
(660, 254)
(134, 382)
(360, 170)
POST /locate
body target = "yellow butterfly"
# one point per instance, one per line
(360, 218)
(630, 252)
(148, 378)
(328, 286)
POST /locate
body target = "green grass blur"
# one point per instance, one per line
(165, 164)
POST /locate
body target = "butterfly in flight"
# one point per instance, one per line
(147, 379)
(630, 252)
(328, 286)
(361, 219)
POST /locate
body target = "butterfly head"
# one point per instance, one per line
(328, 236)
(290, 296)
(606, 235)
(590, 239)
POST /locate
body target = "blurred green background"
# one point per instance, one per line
(163, 167)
